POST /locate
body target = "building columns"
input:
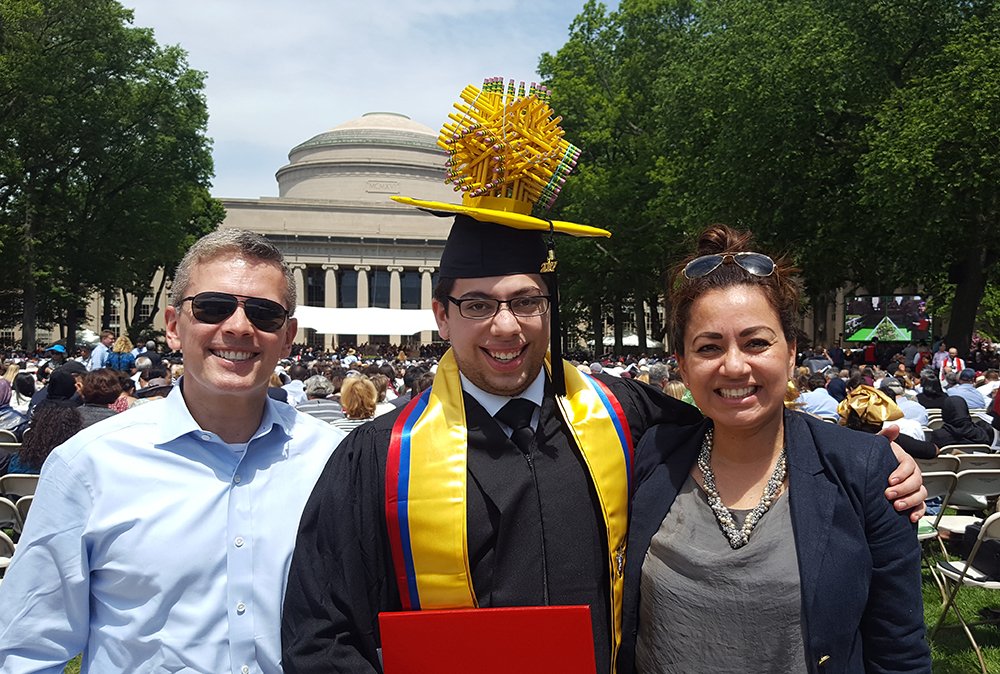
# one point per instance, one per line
(362, 270)
(299, 274)
(395, 299)
(426, 297)
(330, 300)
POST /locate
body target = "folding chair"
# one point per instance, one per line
(976, 457)
(961, 450)
(934, 423)
(21, 484)
(6, 551)
(7, 436)
(937, 484)
(10, 518)
(23, 504)
(958, 574)
(943, 462)
(975, 485)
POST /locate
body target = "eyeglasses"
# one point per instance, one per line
(757, 264)
(481, 308)
(215, 307)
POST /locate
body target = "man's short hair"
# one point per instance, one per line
(143, 363)
(318, 386)
(239, 242)
(816, 380)
(658, 374)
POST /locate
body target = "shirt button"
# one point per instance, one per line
(239, 541)
(241, 608)
(206, 437)
(237, 479)
(245, 669)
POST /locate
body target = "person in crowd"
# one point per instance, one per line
(63, 384)
(941, 356)
(99, 390)
(871, 410)
(409, 377)
(837, 388)
(24, 389)
(959, 428)
(295, 387)
(951, 365)
(659, 375)
(911, 409)
(931, 393)
(99, 355)
(143, 363)
(816, 400)
(966, 390)
(319, 389)
(382, 406)
(11, 372)
(10, 419)
(56, 420)
(762, 531)
(358, 398)
(676, 389)
(991, 380)
(120, 357)
(159, 539)
(126, 398)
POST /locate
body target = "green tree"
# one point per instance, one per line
(103, 164)
(804, 122)
(932, 174)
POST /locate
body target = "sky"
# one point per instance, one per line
(280, 73)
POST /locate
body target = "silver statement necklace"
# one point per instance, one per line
(738, 537)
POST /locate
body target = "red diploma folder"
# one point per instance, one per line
(523, 640)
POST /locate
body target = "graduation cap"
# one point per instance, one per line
(508, 158)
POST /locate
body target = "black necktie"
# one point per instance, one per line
(517, 414)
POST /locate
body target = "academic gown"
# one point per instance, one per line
(533, 530)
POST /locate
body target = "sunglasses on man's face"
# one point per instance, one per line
(757, 264)
(215, 307)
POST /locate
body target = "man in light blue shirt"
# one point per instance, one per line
(160, 539)
(817, 401)
(99, 356)
(965, 389)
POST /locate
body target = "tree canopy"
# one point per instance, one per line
(104, 162)
(858, 137)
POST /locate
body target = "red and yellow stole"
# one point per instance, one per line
(426, 475)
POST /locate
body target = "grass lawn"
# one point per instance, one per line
(951, 651)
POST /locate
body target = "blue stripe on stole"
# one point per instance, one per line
(404, 493)
(616, 420)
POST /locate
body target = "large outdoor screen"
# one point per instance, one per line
(891, 318)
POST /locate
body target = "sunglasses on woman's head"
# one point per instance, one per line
(214, 307)
(757, 264)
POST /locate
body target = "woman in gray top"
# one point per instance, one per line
(761, 540)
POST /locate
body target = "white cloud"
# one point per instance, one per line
(280, 73)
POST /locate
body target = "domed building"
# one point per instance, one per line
(349, 245)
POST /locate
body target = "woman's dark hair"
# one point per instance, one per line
(780, 288)
(381, 385)
(24, 384)
(52, 424)
(101, 387)
(126, 382)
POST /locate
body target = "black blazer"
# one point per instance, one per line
(859, 560)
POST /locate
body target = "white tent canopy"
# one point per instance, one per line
(371, 321)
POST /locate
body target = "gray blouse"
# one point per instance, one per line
(705, 607)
